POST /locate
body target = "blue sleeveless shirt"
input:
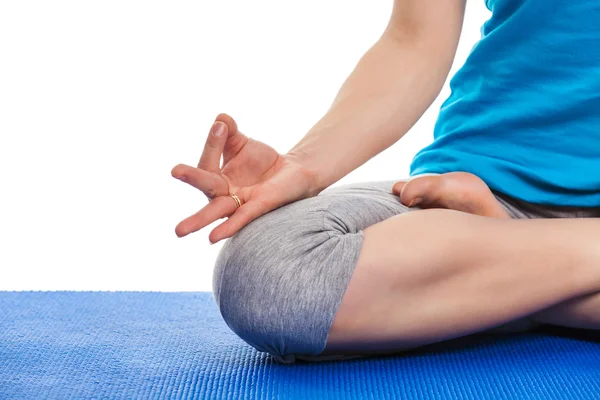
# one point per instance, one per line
(524, 109)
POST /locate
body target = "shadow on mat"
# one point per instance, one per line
(479, 340)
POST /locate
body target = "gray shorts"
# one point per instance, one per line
(279, 281)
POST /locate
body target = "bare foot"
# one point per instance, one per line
(461, 191)
(465, 192)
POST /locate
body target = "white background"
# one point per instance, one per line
(99, 100)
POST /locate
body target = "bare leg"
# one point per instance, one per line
(582, 312)
(457, 274)
(466, 192)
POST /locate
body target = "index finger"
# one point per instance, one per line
(210, 160)
(212, 184)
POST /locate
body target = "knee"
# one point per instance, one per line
(261, 278)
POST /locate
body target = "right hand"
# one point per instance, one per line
(262, 179)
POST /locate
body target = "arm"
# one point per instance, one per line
(390, 88)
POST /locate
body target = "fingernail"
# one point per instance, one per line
(218, 128)
(182, 178)
(415, 201)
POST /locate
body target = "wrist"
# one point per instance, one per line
(306, 166)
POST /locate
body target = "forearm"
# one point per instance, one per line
(390, 88)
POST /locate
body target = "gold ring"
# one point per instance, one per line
(237, 200)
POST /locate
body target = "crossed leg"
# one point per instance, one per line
(455, 274)
(354, 271)
(466, 192)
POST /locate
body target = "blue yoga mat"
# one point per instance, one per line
(148, 345)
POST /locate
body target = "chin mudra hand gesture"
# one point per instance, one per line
(253, 180)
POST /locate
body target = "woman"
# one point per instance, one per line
(494, 232)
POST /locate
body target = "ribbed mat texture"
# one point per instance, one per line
(151, 345)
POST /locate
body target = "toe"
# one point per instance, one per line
(423, 191)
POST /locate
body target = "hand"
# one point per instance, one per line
(262, 179)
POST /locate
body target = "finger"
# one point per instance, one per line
(227, 119)
(236, 140)
(210, 183)
(240, 218)
(210, 160)
(218, 208)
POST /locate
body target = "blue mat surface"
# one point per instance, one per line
(148, 345)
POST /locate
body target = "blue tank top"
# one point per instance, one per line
(524, 109)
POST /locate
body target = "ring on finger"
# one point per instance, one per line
(237, 200)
